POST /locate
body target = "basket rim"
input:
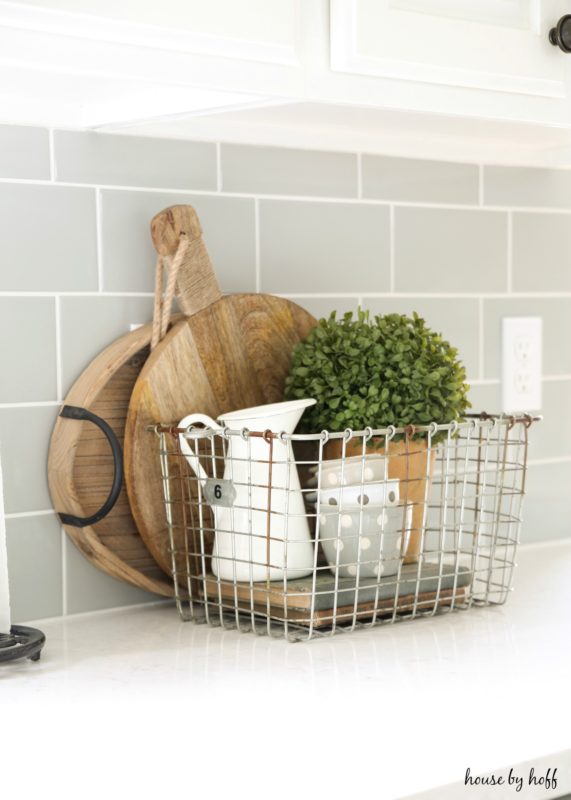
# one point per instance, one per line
(480, 421)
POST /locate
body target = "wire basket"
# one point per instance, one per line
(309, 535)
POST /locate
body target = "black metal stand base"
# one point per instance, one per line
(21, 642)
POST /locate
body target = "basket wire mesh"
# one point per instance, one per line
(277, 537)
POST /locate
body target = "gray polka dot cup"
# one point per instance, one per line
(369, 542)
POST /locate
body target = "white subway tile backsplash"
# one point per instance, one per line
(323, 247)
(48, 238)
(441, 250)
(277, 170)
(414, 181)
(24, 153)
(416, 240)
(82, 157)
(129, 257)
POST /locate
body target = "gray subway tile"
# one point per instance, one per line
(34, 567)
(485, 397)
(24, 439)
(450, 250)
(555, 313)
(323, 306)
(128, 253)
(24, 152)
(48, 238)
(540, 260)
(85, 157)
(551, 438)
(28, 352)
(89, 324)
(527, 186)
(323, 247)
(456, 319)
(413, 180)
(276, 170)
(547, 504)
(90, 589)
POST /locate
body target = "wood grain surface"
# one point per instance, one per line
(280, 605)
(233, 354)
(80, 466)
(228, 353)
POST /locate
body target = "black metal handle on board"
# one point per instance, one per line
(82, 414)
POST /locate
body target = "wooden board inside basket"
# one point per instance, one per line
(422, 603)
(442, 584)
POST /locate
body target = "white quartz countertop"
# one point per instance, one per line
(172, 707)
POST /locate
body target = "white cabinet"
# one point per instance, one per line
(465, 79)
(487, 58)
(95, 62)
(498, 45)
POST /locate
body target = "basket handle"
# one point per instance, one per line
(185, 447)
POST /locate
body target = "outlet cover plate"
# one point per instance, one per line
(521, 364)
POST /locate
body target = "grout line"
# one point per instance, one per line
(510, 253)
(480, 184)
(392, 249)
(257, 245)
(402, 295)
(32, 404)
(299, 198)
(359, 176)
(52, 155)
(93, 293)
(99, 240)
(538, 462)
(22, 514)
(64, 599)
(218, 167)
(59, 389)
(497, 381)
(483, 381)
(481, 336)
(436, 295)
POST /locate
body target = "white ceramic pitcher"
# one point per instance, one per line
(241, 544)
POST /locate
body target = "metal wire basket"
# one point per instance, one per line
(309, 535)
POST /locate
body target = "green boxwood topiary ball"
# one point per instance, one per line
(391, 370)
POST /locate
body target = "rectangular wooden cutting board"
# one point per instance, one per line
(295, 603)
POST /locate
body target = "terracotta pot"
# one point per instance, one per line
(412, 463)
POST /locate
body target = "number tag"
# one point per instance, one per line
(218, 492)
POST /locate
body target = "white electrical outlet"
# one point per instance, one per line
(521, 364)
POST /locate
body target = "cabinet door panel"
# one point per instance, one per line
(498, 45)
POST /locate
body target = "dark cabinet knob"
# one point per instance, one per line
(560, 35)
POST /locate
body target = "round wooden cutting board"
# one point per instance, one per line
(229, 353)
(81, 466)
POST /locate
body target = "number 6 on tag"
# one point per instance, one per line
(219, 492)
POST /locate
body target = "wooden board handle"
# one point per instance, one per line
(196, 285)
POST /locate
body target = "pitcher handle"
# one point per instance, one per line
(186, 449)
